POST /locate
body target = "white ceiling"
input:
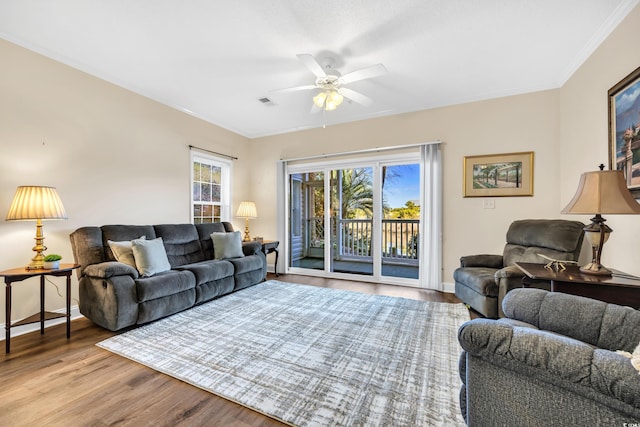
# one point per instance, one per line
(215, 59)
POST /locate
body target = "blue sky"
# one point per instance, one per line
(402, 185)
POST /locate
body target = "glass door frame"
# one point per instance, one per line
(375, 162)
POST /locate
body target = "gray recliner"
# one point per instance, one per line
(482, 281)
(551, 361)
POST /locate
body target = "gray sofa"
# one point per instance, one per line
(551, 362)
(482, 281)
(114, 295)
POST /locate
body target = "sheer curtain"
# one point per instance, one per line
(281, 214)
(431, 217)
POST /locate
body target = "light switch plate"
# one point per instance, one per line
(489, 204)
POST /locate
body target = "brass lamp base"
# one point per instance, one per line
(247, 237)
(37, 262)
(596, 269)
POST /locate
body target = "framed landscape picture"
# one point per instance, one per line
(624, 130)
(498, 175)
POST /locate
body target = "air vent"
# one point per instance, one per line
(266, 101)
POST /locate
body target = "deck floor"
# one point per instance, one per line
(357, 267)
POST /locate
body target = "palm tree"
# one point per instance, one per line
(357, 192)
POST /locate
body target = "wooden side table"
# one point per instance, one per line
(19, 274)
(271, 246)
(619, 288)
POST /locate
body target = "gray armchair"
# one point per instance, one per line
(482, 281)
(551, 361)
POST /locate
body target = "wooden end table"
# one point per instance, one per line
(271, 246)
(619, 288)
(19, 274)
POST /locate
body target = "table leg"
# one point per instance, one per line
(7, 325)
(69, 305)
(553, 285)
(275, 266)
(42, 305)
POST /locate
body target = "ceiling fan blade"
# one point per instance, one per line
(364, 73)
(356, 96)
(294, 89)
(310, 62)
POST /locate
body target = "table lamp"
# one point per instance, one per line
(600, 192)
(247, 210)
(36, 203)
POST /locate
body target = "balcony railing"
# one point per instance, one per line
(354, 238)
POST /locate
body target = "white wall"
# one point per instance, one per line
(114, 156)
(566, 128)
(506, 125)
(584, 132)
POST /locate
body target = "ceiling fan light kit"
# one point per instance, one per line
(329, 100)
(331, 85)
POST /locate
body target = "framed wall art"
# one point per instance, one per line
(498, 175)
(624, 130)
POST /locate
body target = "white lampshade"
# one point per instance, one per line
(319, 99)
(247, 210)
(34, 202)
(333, 100)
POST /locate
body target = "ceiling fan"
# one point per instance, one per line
(331, 84)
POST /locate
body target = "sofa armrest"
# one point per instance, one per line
(509, 272)
(105, 270)
(552, 358)
(251, 248)
(490, 261)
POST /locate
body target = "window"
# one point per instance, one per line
(210, 188)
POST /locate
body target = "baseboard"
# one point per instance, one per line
(448, 287)
(32, 327)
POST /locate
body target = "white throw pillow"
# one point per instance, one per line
(227, 245)
(123, 252)
(150, 255)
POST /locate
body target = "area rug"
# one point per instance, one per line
(311, 356)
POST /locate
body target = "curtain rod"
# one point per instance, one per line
(369, 150)
(191, 147)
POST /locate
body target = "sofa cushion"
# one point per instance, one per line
(209, 271)
(123, 233)
(161, 307)
(480, 279)
(557, 239)
(182, 243)
(227, 245)
(608, 326)
(150, 256)
(204, 233)
(164, 284)
(249, 263)
(123, 251)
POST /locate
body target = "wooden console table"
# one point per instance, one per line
(19, 274)
(619, 288)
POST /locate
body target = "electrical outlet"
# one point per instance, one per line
(489, 204)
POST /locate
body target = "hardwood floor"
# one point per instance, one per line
(48, 380)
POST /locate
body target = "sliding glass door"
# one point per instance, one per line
(351, 233)
(306, 220)
(400, 192)
(356, 219)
